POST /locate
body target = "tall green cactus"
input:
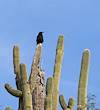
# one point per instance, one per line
(83, 81)
(82, 87)
(57, 72)
(52, 85)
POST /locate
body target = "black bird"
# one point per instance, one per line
(39, 38)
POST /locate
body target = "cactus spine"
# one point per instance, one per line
(83, 81)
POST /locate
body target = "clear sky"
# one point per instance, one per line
(77, 20)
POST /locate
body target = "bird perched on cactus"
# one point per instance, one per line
(39, 38)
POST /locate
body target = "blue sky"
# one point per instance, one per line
(77, 20)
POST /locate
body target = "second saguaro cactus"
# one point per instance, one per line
(83, 81)
(82, 86)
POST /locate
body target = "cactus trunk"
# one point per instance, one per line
(37, 81)
(83, 81)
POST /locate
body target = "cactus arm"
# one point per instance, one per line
(83, 80)
(16, 60)
(62, 102)
(16, 93)
(27, 98)
(48, 100)
(16, 63)
(57, 71)
(8, 108)
(71, 103)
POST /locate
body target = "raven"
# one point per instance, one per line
(39, 38)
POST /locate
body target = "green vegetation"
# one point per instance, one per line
(32, 92)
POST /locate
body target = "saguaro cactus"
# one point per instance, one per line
(28, 90)
(25, 99)
(32, 92)
(18, 92)
(83, 81)
(82, 87)
(57, 72)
